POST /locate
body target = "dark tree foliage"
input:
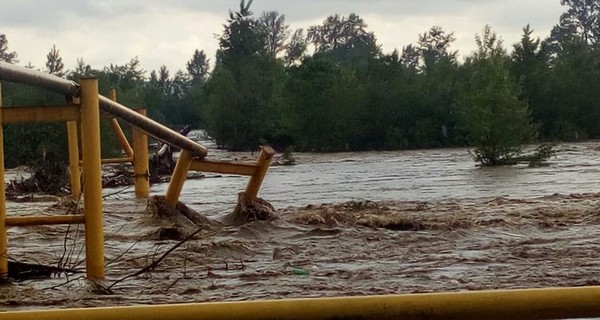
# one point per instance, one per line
(81, 70)
(54, 64)
(331, 88)
(498, 123)
(242, 37)
(5, 55)
(582, 19)
(530, 67)
(296, 48)
(275, 31)
(244, 93)
(346, 38)
(197, 67)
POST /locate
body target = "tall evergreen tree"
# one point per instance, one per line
(197, 67)
(530, 66)
(54, 64)
(5, 55)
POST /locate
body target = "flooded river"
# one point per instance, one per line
(350, 224)
(421, 175)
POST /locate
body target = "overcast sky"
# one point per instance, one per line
(167, 32)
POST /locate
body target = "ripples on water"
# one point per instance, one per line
(422, 175)
(491, 230)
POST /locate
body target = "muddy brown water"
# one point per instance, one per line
(351, 224)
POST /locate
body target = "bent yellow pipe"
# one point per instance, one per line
(548, 303)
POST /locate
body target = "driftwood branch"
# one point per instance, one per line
(156, 262)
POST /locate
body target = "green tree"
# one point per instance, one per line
(275, 31)
(5, 55)
(345, 39)
(573, 92)
(198, 68)
(244, 93)
(296, 48)
(342, 35)
(497, 121)
(582, 19)
(54, 64)
(436, 118)
(530, 66)
(82, 69)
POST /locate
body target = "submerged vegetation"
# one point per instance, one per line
(345, 94)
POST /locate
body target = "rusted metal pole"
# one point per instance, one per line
(3, 239)
(23, 75)
(92, 185)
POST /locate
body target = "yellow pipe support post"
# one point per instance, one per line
(3, 239)
(548, 303)
(92, 186)
(117, 128)
(75, 175)
(178, 178)
(262, 166)
(141, 170)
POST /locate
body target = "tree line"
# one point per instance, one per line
(331, 88)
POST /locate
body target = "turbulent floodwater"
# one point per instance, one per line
(351, 224)
(422, 175)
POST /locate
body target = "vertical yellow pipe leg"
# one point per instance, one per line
(3, 240)
(117, 129)
(263, 163)
(140, 161)
(92, 186)
(178, 178)
(75, 175)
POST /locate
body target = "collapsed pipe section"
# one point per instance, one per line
(17, 74)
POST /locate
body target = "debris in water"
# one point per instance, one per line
(248, 210)
(28, 271)
(182, 220)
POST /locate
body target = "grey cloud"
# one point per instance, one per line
(57, 13)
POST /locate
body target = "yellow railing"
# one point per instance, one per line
(83, 113)
(550, 303)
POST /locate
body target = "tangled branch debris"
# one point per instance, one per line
(248, 210)
(156, 262)
(26, 271)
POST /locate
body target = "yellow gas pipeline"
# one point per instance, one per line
(548, 303)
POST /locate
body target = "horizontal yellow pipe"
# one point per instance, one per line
(44, 220)
(239, 168)
(117, 160)
(69, 112)
(113, 160)
(548, 303)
